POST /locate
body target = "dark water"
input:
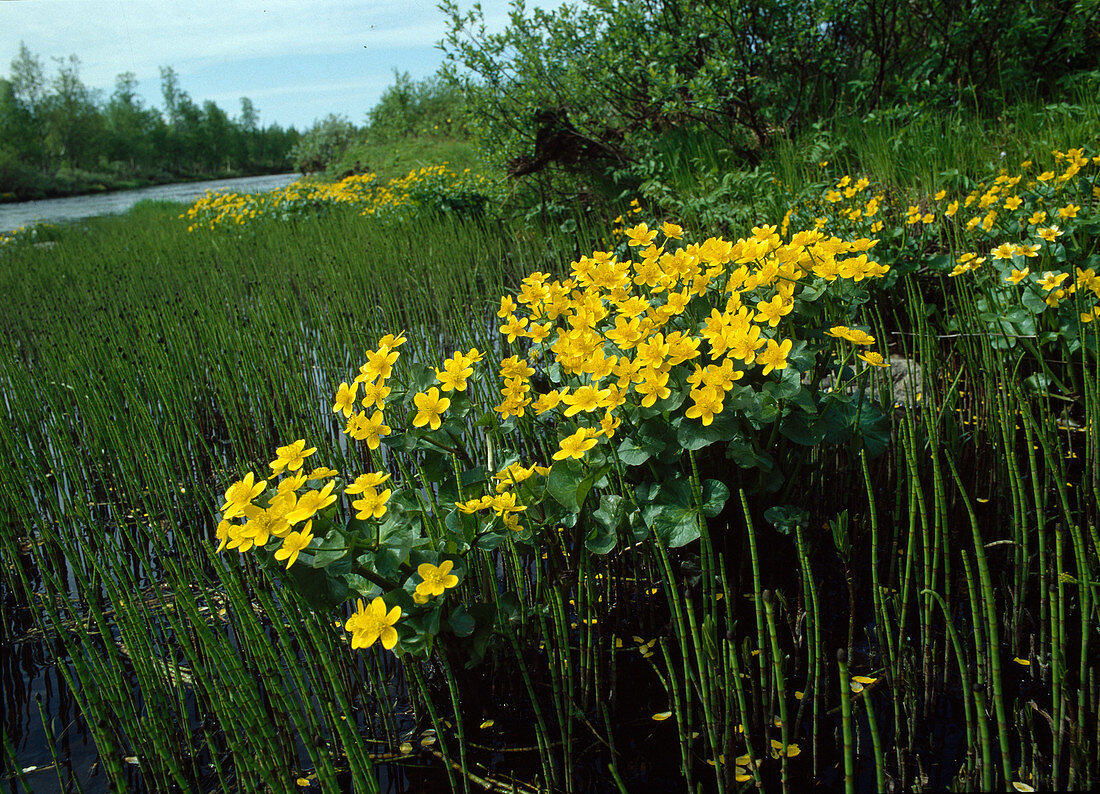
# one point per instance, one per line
(13, 216)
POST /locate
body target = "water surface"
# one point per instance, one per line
(13, 216)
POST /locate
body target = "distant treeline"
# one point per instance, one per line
(58, 136)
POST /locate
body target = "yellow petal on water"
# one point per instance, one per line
(799, 694)
(743, 760)
(427, 741)
(662, 715)
(755, 653)
(618, 642)
(301, 782)
(742, 777)
(982, 501)
(793, 750)
(856, 686)
(487, 724)
(777, 722)
(405, 748)
(1021, 786)
(1025, 663)
(863, 679)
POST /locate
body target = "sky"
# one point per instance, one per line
(297, 60)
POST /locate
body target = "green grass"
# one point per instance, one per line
(390, 159)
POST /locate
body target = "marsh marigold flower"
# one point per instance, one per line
(429, 408)
(370, 624)
(576, 445)
(241, 494)
(436, 578)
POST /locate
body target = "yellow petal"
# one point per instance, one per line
(1025, 663)
(863, 679)
(301, 782)
(405, 748)
(662, 715)
(487, 724)
(1021, 786)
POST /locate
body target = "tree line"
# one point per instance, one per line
(58, 136)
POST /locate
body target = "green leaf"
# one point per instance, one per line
(462, 622)
(715, 494)
(785, 517)
(631, 454)
(333, 547)
(569, 485)
(601, 537)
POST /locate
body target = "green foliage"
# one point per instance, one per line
(595, 90)
(428, 108)
(323, 143)
(58, 137)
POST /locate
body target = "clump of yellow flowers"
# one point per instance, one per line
(666, 333)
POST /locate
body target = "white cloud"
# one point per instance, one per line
(196, 35)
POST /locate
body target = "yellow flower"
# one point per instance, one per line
(345, 399)
(672, 231)
(576, 445)
(436, 579)
(1068, 211)
(455, 372)
(774, 310)
(241, 494)
(430, 407)
(370, 624)
(873, 358)
(853, 335)
(707, 403)
(774, 356)
(1018, 275)
(1052, 280)
(640, 235)
(292, 456)
(1050, 233)
(293, 545)
(311, 502)
(372, 504)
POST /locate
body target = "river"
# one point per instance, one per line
(13, 216)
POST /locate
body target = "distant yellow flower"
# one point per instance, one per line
(1049, 233)
(1018, 275)
(1068, 211)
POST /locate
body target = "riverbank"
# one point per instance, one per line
(59, 210)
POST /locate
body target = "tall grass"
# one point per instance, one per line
(923, 618)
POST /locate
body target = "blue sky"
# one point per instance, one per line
(298, 60)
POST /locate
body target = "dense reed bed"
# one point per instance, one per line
(867, 575)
